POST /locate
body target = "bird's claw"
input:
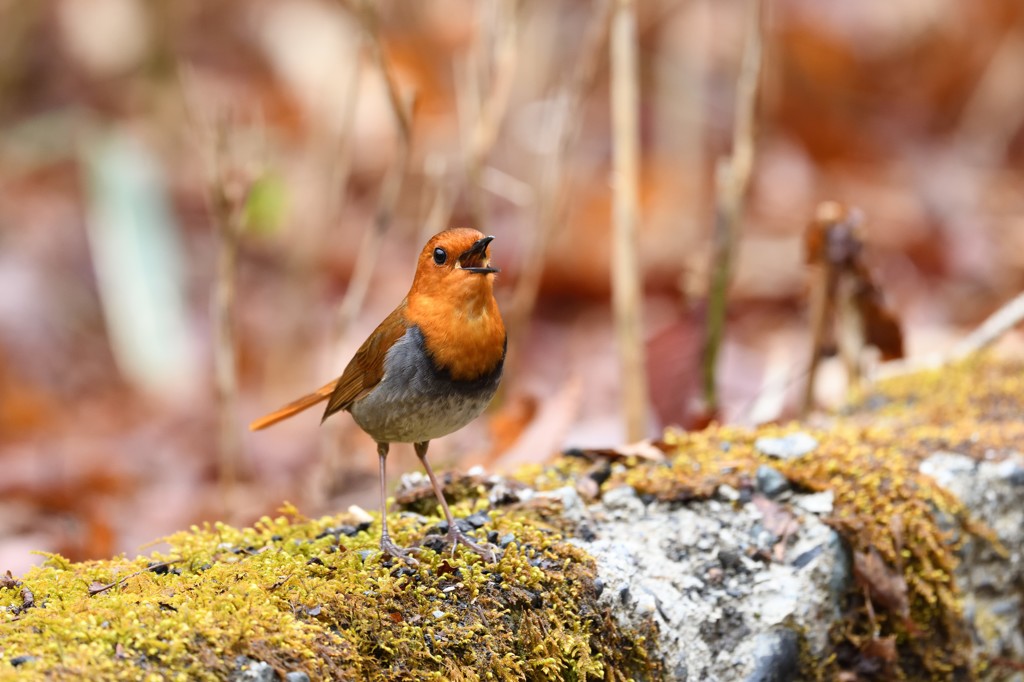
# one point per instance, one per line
(389, 548)
(456, 537)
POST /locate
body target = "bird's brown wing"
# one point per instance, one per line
(366, 368)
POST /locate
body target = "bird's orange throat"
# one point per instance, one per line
(462, 327)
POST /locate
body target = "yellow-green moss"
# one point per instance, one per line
(281, 593)
(870, 458)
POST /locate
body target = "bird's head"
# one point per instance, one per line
(456, 265)
(452, 303)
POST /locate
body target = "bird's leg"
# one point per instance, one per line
(386, 545)
(455, 536)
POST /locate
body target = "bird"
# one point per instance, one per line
(431, 367)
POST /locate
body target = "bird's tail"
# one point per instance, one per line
(294, 407)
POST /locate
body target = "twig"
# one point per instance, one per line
(553, 178)
(732, 178)
(627, 294)
(998, 323)
(93, 591)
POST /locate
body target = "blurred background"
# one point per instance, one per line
(153, 153)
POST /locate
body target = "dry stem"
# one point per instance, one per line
(627, 294)
(732, 178)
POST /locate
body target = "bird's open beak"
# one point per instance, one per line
(474, 258)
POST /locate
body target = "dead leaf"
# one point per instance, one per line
(648, 450)
(8, 581)
(886, 585)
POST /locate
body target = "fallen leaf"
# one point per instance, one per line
(886, 585)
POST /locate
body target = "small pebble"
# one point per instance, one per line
(506, 540)
(22, 660)
(770, 482)
(364, 554)
(296, 676)
(434, 542)
(727, 492)
(438, 614)
(478, 520)
(788, 447)
(817, 503)
(808, 556)
(361, 515)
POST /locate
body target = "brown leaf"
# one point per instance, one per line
(8, 581)
(28, 600)
(776, 518)
(649, 450)
(886, 585)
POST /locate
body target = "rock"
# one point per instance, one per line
(990, 583)
(623, 499)
(253, 671)
(787, 447)
(776, 656)
(770, 481)
(727, 492)
(719, 614)
(816, 503)
(296, 676)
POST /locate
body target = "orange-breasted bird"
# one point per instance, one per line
(428, 369)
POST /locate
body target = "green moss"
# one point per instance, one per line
(291, 594)
(285, 593)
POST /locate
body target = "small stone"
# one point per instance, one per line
(947, 467)
(492, 537)
(438, 614)
(506, 540)
(464, 525)
(646, 603)
(788, 447)
(256, 671)
(727, 492)
(440, 529)
(770, 482)
(730, 559)
(296, 676)
(434, 542)
(777, 656)
(478, 520)
(361, 515)
(22, 660)
(1012, 470)
(598, 586)
(817, 503)
(622, 498)
(808, 556)
(365, 554)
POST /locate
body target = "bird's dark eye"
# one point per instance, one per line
(440, 256)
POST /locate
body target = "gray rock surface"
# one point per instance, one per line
(992, 584)
(722, 614)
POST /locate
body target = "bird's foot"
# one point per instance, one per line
(389, 548)
(457, 537)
